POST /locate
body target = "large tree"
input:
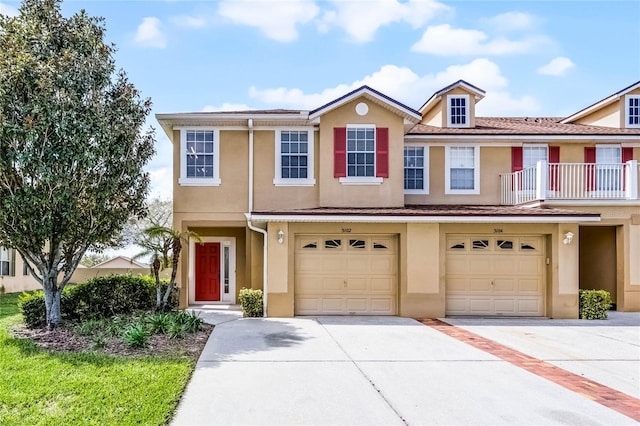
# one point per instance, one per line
(72, 149)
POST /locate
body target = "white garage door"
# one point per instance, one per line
(346, 275)
(490, 275)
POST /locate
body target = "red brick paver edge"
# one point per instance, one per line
(610, 398)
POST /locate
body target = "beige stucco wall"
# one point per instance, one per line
(387, 194)
(612, 115)
(267, 196)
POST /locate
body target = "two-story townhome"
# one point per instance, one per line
(365, 206)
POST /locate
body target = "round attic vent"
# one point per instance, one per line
(362, 108)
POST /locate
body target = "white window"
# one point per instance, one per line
(294, 158)
(462, 168)
(416, 174)
(609, 168)
(632, 111)
(458, 110)
(199, 156)
(5, 262)
(361, 151)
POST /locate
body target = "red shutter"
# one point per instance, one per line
(382, 152)
(590, 158)
(339, 152)
(554, 159)
(516, 166)
(516, 158)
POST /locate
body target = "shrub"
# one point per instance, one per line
(594, 304)
(251, 302)
(33, 308)
(89, 327)
(136, 336)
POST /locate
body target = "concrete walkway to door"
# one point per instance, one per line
(391, 370)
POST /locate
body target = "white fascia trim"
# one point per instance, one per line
(303, 114)
(606, 101)
(357, 95)
(580, 138)
(422, 219)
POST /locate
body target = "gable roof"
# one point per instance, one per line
(479, 93)
(601, 103)
(375, 96)
(120, 262)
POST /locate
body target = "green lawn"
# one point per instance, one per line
(39, 387)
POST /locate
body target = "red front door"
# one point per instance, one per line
(208, 272)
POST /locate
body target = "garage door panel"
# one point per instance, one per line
(505, 285)
(382, 306)
(478, 265)
(307, 305)
(358, 265)
(332, 263)
(311, 284)
(495, 275)
(383, 284)
(533, 285)
(505, 306)
(383, 264)
(480, 306)
(333, 305)
(307, 264)
(479, 285)
(530, 265)
(331, 284)
(357, 305)
(357, 284)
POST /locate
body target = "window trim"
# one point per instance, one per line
(362, 180)
(626, 112)
(278, 179)
(425, 170)
(188, 181)
(534, 145)
(467, 111)
(476, 170)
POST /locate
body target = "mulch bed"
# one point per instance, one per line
(64, 339)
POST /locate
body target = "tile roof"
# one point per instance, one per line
(521, 126)
(431, 210)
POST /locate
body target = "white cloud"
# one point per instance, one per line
(362, 20)
(406, 86)
(445, 40)
(278, 20)
(510, 21)
(188, 21)
(227, 106)
(149, 33)
(7, 10)
(557, 67)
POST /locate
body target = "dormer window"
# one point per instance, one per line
(632, 109)
(458, 110)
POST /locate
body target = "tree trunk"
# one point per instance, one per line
(52, 302)
(156, 274)
(177, 248)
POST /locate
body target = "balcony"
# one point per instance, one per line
(569, 182)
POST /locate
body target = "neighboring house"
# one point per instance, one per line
(372, 207)
(15, 277)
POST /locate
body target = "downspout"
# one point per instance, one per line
(251, 225)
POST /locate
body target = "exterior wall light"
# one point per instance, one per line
(568, 237)
(280, 236)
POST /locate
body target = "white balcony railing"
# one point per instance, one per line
(570, 181)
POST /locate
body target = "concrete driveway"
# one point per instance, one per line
(390, 370)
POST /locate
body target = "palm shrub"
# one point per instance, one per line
(136, 336)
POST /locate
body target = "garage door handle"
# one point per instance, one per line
(345, 283)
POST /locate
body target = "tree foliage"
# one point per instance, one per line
(159, 215)
(71, 147)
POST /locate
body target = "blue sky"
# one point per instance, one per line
(542, 58)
